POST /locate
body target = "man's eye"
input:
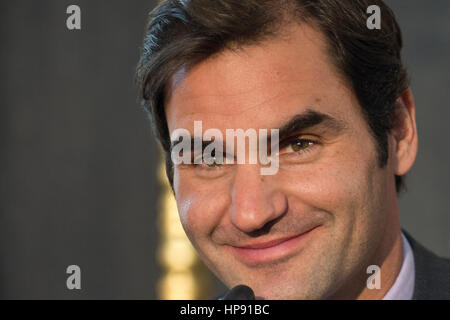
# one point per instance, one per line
(299, 145)
(213, 162)
(210, 162)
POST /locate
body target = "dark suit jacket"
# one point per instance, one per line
(432, 273)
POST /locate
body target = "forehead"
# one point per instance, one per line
(260, 86)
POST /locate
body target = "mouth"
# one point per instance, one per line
(271, 251)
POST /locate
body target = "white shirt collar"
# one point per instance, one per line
(403, 287)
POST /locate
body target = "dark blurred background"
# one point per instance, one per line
(78, 180)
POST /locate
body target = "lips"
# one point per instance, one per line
(268, 244)
(270, 251)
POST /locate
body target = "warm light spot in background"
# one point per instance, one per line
(183, 275)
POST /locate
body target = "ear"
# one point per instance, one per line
(404, 134)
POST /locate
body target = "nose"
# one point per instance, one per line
(255, 199)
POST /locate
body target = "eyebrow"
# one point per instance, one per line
(311, 118)
(300, 122)
(192, 143)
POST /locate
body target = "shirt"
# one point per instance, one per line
(403, 287)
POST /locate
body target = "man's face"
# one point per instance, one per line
(319, 221)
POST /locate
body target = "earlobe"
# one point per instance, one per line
(405, 133)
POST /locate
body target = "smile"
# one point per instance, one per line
(270, 251)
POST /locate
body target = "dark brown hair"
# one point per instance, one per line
(183, 33)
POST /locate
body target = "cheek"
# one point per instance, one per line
(340, 183)
(200, 208)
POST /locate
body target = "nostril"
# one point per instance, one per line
(265, 229)
(260, 232)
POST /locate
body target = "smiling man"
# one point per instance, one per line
(338, 93)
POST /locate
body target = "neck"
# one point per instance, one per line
(388, 256)
(392, 249)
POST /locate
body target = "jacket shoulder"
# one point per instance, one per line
(432, 273)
